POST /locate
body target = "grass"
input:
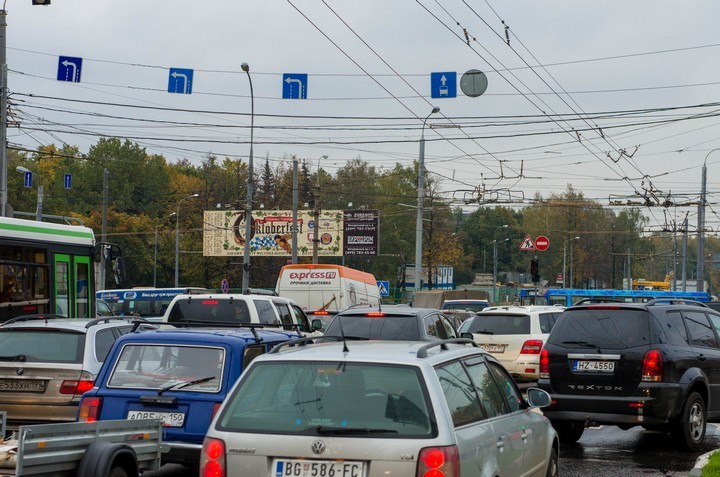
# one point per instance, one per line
(712, 468)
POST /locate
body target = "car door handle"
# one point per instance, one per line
(500, 444)
(701, 357)
(524, 436)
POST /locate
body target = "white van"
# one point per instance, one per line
(323, 290)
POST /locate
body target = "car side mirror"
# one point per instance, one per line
(317, 325)
(537, 397)
(466, 335)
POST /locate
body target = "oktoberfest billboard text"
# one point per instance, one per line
(271, 233)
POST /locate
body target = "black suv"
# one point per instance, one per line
(655, 364)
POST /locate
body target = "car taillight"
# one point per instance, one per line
(544, 364)
(375, 314)
(78, 386)
(212, 459)
(89, 409)
(652, 366)
(531, 347)
(439, 462)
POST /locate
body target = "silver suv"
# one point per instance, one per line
(47, 363)
(379, 408)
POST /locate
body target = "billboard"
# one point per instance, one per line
(361, 232)
(271, 233)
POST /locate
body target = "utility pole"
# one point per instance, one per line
(103, 236)
(3, 116)
(316, 214)
(295, 211)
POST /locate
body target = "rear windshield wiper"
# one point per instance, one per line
(353, 430)
(484, 332)
(17, 357)
(584, 343)
(185, 384)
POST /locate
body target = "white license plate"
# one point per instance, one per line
(317, 468)
(169, 419)
(29, 385)
(493, 348)
(595, 366)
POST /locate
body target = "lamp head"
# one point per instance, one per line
(22, 169)
(435, 109)
(245, 67)
(194, 196)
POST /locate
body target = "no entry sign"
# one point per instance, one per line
(542, 243)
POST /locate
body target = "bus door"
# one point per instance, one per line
(72, 285)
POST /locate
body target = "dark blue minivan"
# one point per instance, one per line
(180, 376)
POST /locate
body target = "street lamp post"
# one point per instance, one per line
(40, 192)
(248, 205)
(316, 214)
(177, 238)
(504, 226)
(565, 258)
(421, 198)
(157, 222)
(701, 223)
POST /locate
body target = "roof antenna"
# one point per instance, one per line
(342, 333)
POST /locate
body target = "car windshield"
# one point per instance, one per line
(209, 310)
(156, 366)
(386, 327)
(42, 346)
(602, 328)
(500, 324)
(316, 398)
(465, 305)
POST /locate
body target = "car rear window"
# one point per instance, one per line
(386, 327)
(213, 310)
(157, 366)
(312, 398)
(42, 346)
(602, 328)
(500, 324)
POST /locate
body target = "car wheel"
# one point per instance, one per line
(118, 471)
(569, 431)
(552, 468)
(688, 430)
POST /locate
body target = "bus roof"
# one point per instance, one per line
(46, 231)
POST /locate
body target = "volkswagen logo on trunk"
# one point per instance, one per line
(318, 447)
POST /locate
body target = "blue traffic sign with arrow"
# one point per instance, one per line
(443, 84)
(69, 69)
(295, 86)
(180, 80)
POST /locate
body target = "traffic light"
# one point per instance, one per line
(534, 270)
(41, 2)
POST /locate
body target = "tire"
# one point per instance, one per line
(118, 472)
(552, 468)
(569, 432)
(688, 429)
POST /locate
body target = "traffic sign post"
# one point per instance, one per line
(295, 86)
(69, 69)
(68, 181)
(443, 85)
(527, 243)
(384, 287)
(180, 80)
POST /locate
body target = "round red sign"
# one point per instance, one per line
(542, 243)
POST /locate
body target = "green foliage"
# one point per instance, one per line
(712, 468)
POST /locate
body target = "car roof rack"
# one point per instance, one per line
(598, 299)
(38, 316)
(675, 301)
(422, 351)
(304, 341)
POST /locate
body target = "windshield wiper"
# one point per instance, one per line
(353, 430)
(484, 332)
(584, 343)
(17, 357)
(185, 384)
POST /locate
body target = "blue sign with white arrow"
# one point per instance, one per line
(68, 181)
(28, 179)
(295, 86)
(443, 85)
(69, 69)
(180, 80)
(384, 287)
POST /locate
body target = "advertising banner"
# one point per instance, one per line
(271, 233)
(361, 235)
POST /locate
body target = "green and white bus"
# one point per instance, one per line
(46, 268)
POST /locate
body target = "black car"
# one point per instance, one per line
(391, 322)
(656, 365)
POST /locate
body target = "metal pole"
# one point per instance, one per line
(295, 211)
(39, 211)
(103, 236)
(701, 226)
(494, 271)
(155, 258)
(420, 200)
(3, 116)
(248, 205)
(564, 258)
(684, 262)
(177, 239)
(316, 214)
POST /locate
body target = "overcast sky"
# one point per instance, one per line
(620, 102)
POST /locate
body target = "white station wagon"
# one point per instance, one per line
(379, 408)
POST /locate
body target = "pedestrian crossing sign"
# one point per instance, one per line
(384, 287)
(527, 243)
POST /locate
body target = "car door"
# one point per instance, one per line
(703, 338)
(503, 415)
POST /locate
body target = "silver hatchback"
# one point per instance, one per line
(372, 409)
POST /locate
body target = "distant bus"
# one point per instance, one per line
(570, 296)
(143, 302)
(46, 268)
